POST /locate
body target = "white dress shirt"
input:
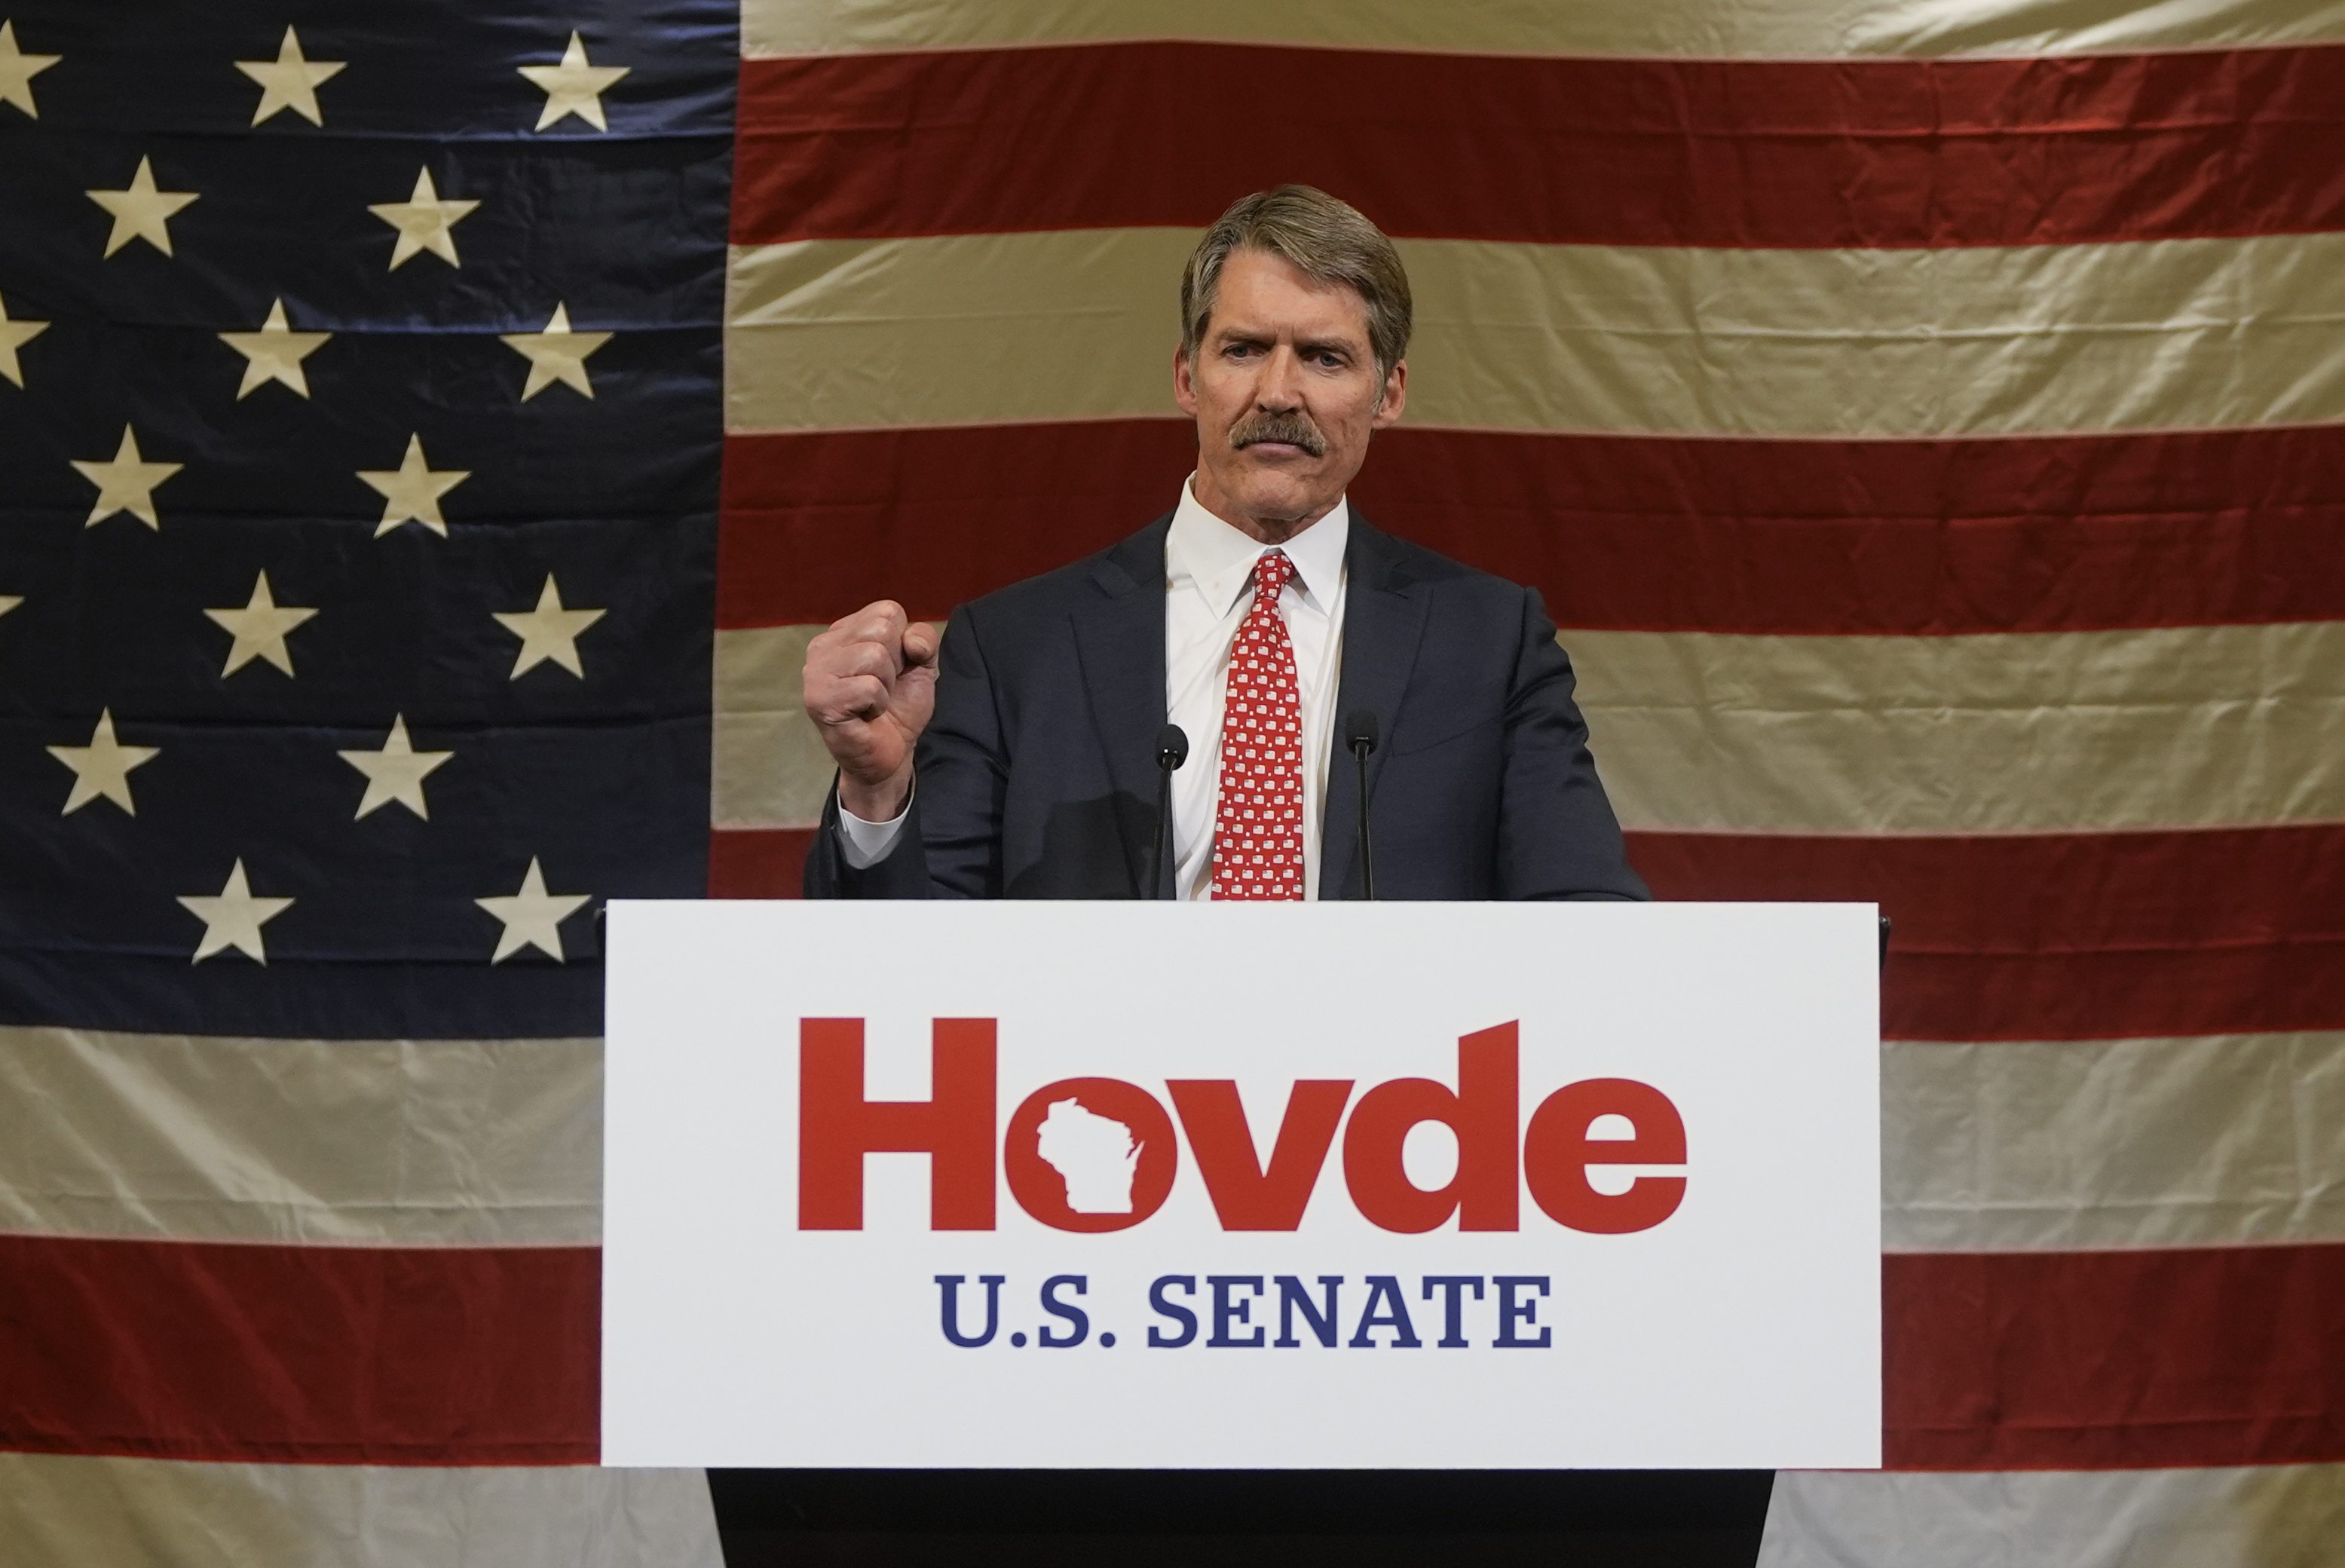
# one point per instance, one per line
(1208, 589)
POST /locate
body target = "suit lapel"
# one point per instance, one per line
(1384, 622)
(1120, 644)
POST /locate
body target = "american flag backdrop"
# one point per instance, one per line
(431, 432)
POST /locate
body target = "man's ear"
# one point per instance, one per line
(1395, 397)
(1183, 393)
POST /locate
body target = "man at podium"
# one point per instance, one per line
(1250, 666)
(1299, 652)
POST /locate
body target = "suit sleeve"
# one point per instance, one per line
(1558, 838)
(952, 844)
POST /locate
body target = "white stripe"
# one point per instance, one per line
(1688, 28)
(2215, 1140)
(2069, 731)
(1078, 325)
(964, 330)
(2039, 732)
(768, 768)
(2110, 1144)
(341, 1141)
(2275, 1516)
(144, 1513)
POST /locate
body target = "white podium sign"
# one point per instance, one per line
(1242, 1185)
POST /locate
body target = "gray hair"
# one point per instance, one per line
(1325, 239)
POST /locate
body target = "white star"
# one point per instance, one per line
(290, 81)
(396, 772)
(259, 629)
(14, 335)
(557, 354)
(548, 632)
(532, 916)
(424, 222)
(18, 70)
(234, 918)
(102, 768)
(412, 492)
(141, 212)
(274, 354)
(126, 485)
(574, 86)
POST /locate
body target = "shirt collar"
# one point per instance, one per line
(1206, 554)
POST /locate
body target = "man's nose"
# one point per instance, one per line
(1280, 390)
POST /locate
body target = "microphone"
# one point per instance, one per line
(1172, 751)
(1360, 735)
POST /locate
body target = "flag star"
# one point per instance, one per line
(412, 492)
(18, 70)
(290, 81)
(424, 222)
(548, 632)
(14, 335)
(234, 918)
(126, 484)
(141, 212)
(396, 772)
(274, 354)
(259, 629)
(533, 917)
(574, 86)
(557, 354)
(103, 767)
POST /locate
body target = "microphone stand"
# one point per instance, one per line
(1360, 735)
(1172, 751)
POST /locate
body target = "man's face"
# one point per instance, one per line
(1285, 393)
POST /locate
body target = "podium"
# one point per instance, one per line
(993, 1217)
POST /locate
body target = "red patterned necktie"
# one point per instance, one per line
(1258, 829)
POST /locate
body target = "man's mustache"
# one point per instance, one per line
(1291, 429)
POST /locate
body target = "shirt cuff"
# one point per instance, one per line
(866, 844)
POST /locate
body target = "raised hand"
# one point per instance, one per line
(870, 686)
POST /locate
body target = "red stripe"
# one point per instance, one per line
(816, 525)
(1611, 152)
(2104, 1361)
(443, 1355)
(2064, 936)
(1631, 533)
(758, 862)
(327, 1354)
(2052, 937)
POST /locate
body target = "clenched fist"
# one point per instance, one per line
(870, 687)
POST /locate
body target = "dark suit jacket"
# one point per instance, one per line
(1037, 777)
